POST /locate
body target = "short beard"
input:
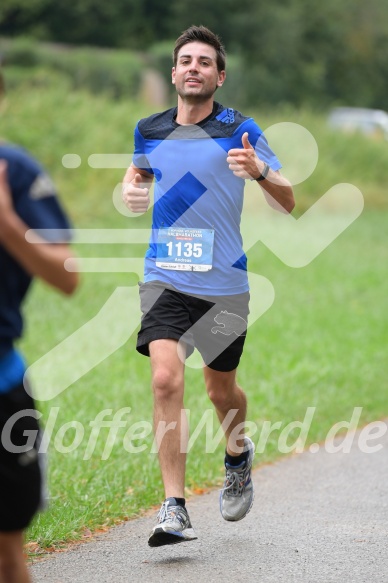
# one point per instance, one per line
(194, 99)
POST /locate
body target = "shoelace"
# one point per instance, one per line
(165, 512)
(235, 482)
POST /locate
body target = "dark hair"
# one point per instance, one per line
(203, 35)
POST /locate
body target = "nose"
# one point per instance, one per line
(193, 66)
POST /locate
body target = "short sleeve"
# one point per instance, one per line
(260, 143)
(266, 154)
(34, 195)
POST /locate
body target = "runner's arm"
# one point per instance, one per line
(245, 163)
(38, 258)
(135, 189)
(277, 191)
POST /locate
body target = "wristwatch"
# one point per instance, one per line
(264, 173)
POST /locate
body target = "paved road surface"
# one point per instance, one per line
(317, 518)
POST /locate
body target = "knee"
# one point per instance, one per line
(167, 384)
(221, 396)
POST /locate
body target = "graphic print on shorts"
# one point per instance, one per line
(229, 323)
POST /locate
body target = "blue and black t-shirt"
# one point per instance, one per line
(35, 201)
(195, 189)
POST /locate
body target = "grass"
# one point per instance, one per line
(320, 345)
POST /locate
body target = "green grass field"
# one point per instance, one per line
(322, 343)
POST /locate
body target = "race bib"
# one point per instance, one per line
(185, 249)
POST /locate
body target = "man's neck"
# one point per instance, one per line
(192, 113)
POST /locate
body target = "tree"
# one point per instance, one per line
(293, 51)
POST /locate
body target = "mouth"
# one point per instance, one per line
(193, 80)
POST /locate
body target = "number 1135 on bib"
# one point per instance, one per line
(185, 249)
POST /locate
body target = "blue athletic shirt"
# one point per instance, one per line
(194, 188)
(12, 369)
(34, 199)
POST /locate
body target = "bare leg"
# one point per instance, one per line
(170, 424)
(13, 568)
(226, 396)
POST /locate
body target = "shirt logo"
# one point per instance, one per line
(226, 116)
(42, 187)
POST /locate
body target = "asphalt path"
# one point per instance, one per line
(318, 517)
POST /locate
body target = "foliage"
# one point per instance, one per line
(115, 72)
(120, 23)
(292, 51)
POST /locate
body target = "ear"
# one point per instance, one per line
(173, 76)
(221, 78)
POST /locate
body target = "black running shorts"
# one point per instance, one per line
(215, 325)
(21, 476)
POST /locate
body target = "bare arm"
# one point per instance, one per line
(278, 191)
(38, 259)
(245, 163)
(135, 190)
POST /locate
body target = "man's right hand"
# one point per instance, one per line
(135, 196)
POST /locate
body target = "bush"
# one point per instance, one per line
(117, 73)
(21, 52)
(114, 72)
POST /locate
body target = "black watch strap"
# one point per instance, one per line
(264, 174)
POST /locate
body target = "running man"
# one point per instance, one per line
(27, 200)
(195, 292)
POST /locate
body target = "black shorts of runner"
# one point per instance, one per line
(215, 325)
(21, 475)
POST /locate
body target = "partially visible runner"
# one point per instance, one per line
(195, 292)
(27, 201)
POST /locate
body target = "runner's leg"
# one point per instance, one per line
(13, 568)
(168, 389)
(226, 395)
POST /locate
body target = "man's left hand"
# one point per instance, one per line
(244, 162)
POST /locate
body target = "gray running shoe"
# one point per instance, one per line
(236, 496)
(173, 526)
